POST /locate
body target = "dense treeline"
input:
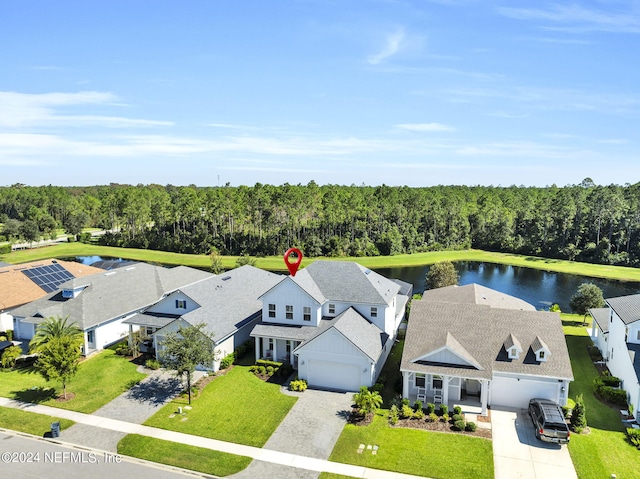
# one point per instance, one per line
(584, 222)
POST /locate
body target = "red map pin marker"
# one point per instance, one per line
(293, 267)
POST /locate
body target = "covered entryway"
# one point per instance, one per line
(516, 393)
(332, 375)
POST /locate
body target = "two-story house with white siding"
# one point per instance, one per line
(616, 332)
(334, 322)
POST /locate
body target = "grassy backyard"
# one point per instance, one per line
(237, 407)
(181, 455)
(275, 263)
(100, 379)
(29, 422)
(605, 450)
(411, 451)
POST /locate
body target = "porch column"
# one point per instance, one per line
(405, 384)
(275, 349)
(445, 389)
(484, 393)
(258, 344)
(130, 341)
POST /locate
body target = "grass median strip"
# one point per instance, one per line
(29, 422)
(181, 455)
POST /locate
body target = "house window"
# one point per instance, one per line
(638, 335)
(514, 352)
(90, 337)
(306, 313)
(436, 382)
(149, 331)
(420, 380)
(181, 304)
(270, 346)
(332, 309)
(541, 354)
(272, 310)
(289, 311)
(374, 312)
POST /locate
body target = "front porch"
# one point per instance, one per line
(450, 390)
(277, 349)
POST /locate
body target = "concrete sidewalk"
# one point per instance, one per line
(264, 455)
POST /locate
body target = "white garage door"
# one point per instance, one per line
(510, 392)
(325, 374)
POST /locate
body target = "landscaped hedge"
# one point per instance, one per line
(602, 387)
(5, 248)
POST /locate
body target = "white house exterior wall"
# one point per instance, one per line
(289, 293)
(332, 347)
(22, 330)
(618, 360)
(168, 305)
(6, 321)
(447, 357)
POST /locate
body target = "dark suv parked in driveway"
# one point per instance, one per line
(549, 421)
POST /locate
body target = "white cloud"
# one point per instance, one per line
(425, 127)
(393, 44)
(19, 110)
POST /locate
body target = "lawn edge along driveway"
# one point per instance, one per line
(235, 407)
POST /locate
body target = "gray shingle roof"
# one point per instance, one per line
(346, 281)
(228, 301)
(481, 331)
(476, 294)
(601, 317)
(112, 294)
(512, 341)
(626, 307)
(290, 331)
(538, 344)
(151, 320)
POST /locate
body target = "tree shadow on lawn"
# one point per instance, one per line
(35, 394)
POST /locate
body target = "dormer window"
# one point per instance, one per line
(181, 304)
(374, 312)
(541, 355)
(540, 349)
(513, 353)
(512, 347)
(332, 309)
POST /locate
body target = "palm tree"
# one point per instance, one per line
(367, 401)
(52, 328)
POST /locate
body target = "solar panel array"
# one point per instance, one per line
(48, 277)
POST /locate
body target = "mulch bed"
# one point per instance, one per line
(69, 397)
(438, 426)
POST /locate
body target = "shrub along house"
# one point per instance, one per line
(334, 322)
(100, 303)
(616, 332)
(475, 351)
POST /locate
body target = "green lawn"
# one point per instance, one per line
(411, 451)
(276, 263)
(29, 422)
(237, 407)
(605, 450)
(181, 455)
(100, 379)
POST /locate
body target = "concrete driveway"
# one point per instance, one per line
(517, 454)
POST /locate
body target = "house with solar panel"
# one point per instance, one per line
(616, 332)
(100, 303)
(334, 321)
(22, 283)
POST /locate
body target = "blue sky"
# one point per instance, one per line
(414, 93)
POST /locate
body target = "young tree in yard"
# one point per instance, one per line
(55, 327)
(216, 261)
(367, 401)
(58, 360)
(579, 416)
(187, 348)
(587, 297)
(441, 274)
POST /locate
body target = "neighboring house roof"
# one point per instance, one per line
(112, 264)
(364, 335)
(345, 281)
(108, 295)
(290, 331)
(602, 317)
(16, 288)
(476, 294)
(626, 307)
(230, 300)
(480, 332)
(151, 319)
